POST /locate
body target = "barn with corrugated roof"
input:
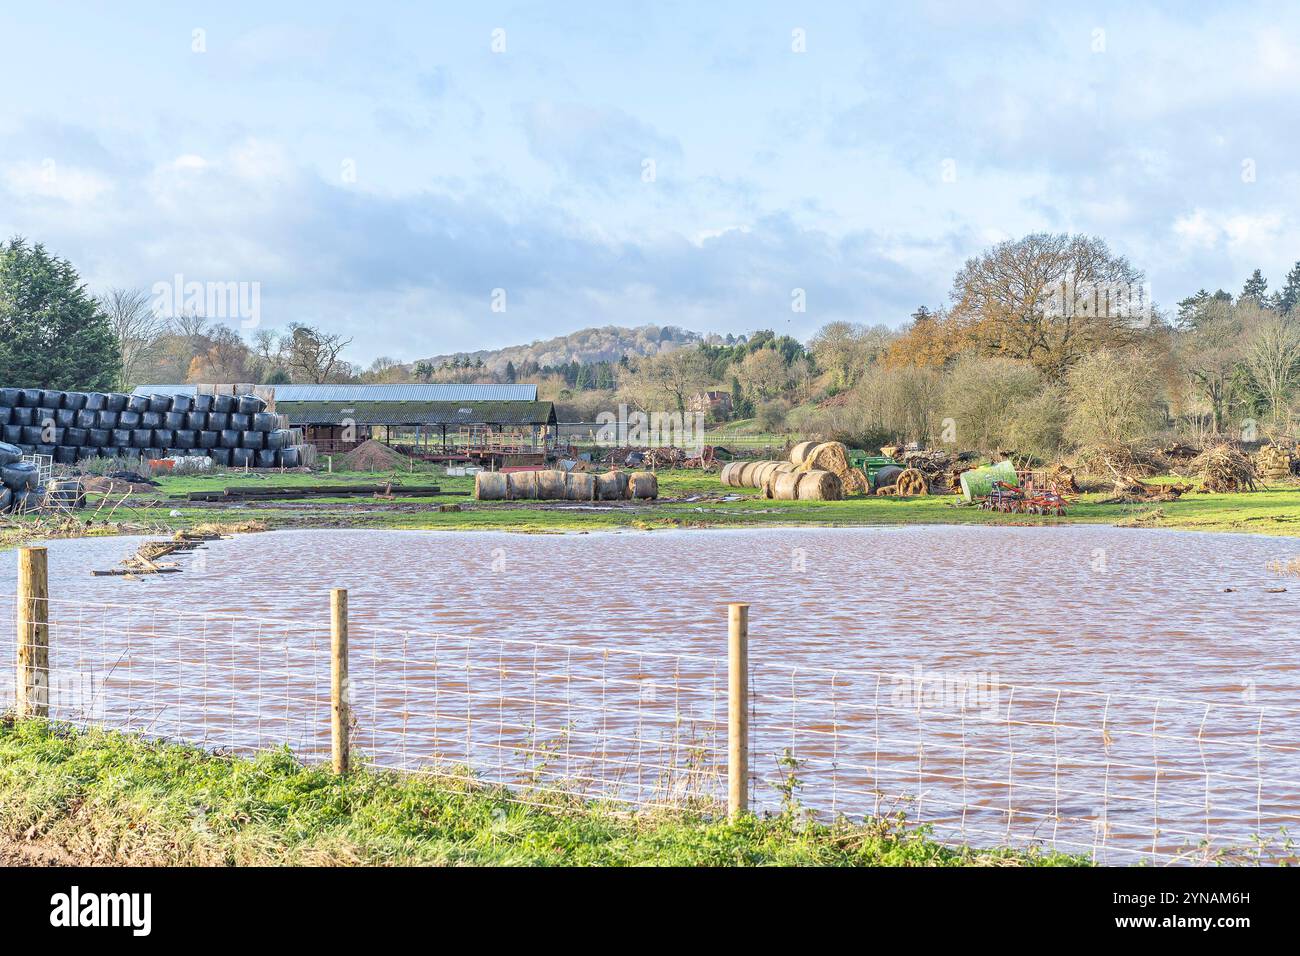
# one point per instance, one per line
(505, 424)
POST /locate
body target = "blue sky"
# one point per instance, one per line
(379, 169)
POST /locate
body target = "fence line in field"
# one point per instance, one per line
(1118, 777)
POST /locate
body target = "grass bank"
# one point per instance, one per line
(101, 797)
(689, 499)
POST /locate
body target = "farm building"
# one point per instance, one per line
(495, 424)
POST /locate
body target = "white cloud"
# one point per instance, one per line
(49, 179)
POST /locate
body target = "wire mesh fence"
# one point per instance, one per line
(1116, 777)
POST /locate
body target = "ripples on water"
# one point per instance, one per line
(959, 675)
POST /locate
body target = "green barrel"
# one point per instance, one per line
(978, 482)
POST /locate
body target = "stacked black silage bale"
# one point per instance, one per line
(233, 430)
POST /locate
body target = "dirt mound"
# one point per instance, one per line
(370, 455)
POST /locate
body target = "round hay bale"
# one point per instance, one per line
(643, 484)
(784, 486)
(820, 486)
(523, 484)
(550, 485)
(729, 472)
(833, 456)
(580, 486)
(800, 452)
(912, 482)
(612, 486)
(491, 486)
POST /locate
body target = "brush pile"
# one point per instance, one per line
(942, 469)
(1224, 469)
(1061, 478)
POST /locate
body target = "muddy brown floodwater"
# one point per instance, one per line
(1124, 693)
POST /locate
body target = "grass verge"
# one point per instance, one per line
(105, 797)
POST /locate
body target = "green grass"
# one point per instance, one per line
(112, 798)
(1273, 512)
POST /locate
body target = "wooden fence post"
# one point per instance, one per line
(32, 684)
(738, 710)
(340, 716)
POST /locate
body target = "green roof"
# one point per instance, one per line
(418, 413)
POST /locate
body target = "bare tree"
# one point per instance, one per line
(1271, 355)
(1047, 298)
(312, 355)
(138, 329)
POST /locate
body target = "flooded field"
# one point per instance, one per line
(1126, 693)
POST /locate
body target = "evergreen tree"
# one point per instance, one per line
(511, 375)
(1290, 297)
(1255, 290)
(52, 334)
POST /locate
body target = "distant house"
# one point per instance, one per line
(717, 404)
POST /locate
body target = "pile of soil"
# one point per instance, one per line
(370, 455)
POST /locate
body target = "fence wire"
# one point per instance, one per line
(1117, 777)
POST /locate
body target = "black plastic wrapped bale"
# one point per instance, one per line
(290, 458)
(96, 401)
(241, 457)
(44, 450)
(74, 401)
(163, 437)
(9, 454)
(138, 404)
(13, 434)
(162, 404)
(86, 418)
(31, 434)
(184, 439)
(209, 439)
(85, 452)
(219, 456)
(229, 438)
(265, 421)
(5, 413)
(253, 440)
(51, 398)
(182, 403)
(121, 438)
(99, 437)
(67, 493)
(29, 398)
(65, 417)
(65, 455)
(218, 421)
(22, 416)
(52, 436)
(277, 439)
(196, 421)
(19, 475)
(75, 437)
(240, 421)
(128, 419)
(203, 403)
(116, 402)
(223, 403)
(251, 405)
(174, 420)
(141, 437)
(10, 396)
(151, 419)
(267, 458)
(152, 454)
(106, 419)
(45, 416)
